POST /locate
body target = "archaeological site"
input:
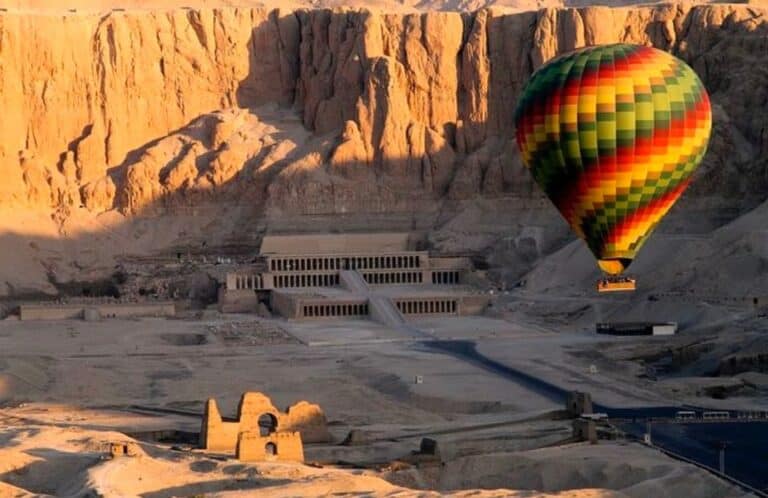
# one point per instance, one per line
(487, 248)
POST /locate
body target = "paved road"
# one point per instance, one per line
(746, 457)
(466, 350)
(746, 452)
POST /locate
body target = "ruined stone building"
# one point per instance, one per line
(262, 432)
(578, 403)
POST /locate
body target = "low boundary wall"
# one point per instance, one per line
(55, 311)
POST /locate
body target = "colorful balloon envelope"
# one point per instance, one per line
(612, 135)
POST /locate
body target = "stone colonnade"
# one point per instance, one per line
(331, 310)
(324, 263)
(428, 306)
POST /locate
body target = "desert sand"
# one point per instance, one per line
(363, 381)
(44, 460)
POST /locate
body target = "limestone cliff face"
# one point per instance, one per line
(80, 92)
(129, 111)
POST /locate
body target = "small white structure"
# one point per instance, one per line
(594, 416)
(636, 328)
(647, 438)
(685, 415)
(669, 328)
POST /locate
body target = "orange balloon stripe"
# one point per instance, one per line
(632, 229)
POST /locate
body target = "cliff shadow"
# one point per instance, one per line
(217, 485)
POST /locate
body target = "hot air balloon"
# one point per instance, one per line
(612, 134)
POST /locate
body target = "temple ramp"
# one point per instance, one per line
(353, 282)
(384, 311)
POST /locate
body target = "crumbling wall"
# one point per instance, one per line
(285, 446)
(303, 418)
(307, 419)
(55, 311)
(251, 407)
(215, 434)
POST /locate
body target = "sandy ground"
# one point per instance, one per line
(362, 377)
(361, 372)
(40, 456)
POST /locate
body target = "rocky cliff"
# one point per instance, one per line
(147, 112)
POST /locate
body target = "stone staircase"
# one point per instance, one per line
(381, 308)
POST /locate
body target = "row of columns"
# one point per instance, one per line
(394, 278)
(317, 280)
(335, 310)
(248, 282)
(425, 307)
(445, 277)
(328, 280)
(344, 263)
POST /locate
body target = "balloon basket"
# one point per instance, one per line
(616, 284)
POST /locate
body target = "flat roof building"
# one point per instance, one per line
(324, 276)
